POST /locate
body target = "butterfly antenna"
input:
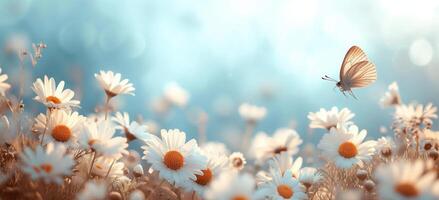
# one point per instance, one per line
(327, 78)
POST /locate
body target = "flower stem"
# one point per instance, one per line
(92, 163)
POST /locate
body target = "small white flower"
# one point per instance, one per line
(252, 113)
(137, 195)
(175, 94)
(132, 130)
(332, 118)
(385, 146)
(93, 191)
(416, 113)
(405, 180)
(391, 97)
(230, 185)
(282, 186)
(309, 176)
(265, 147)
(131, 159)
(49, 164)
(345, 147)
(237, 161)
(176, 160)
(113, 85)
(3, 86)
(62, 126)
(281, 163)
(429, 140)
(138, 169)
(98, 136)
(53, 96)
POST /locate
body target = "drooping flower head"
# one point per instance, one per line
(391, 97)
(132, 130)
(113, 85)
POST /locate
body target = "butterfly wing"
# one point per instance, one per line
(352, 57)
(360, 75)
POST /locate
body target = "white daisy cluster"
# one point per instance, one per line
(62, 154)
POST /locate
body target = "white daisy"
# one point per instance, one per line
(53, 96)
(429, 140)
(265, 147)
(49, 164)
(113, 85)
(132, 130)
(176, 160)
(3, 86)
(332, 118)
(405, 180)
(391, 97)
(416, 113)
(309, 176)
(345, 147)
(385, 146)
(237, 161)
(229, 185)
(215, 165)
(93, 191)
(98, 136)
(281, 162)
(175, 94)
(282, 186)
(252, 113)
(62, 126)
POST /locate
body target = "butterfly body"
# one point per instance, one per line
(356, 71)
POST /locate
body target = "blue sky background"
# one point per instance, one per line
(230, 50)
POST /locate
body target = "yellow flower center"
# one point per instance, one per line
(61, 133)
(97, 165)
(407, 189)
(53, 99)
(285, 191)
(347, 150)
(173, 160)
(46, 167)
(240, 197)
(205, 178)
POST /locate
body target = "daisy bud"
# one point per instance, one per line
(138, 170)
(137, 195)
(369, 185)
(433, 154)
(361, 174)
(115, 196)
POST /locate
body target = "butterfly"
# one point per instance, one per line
(356, 71)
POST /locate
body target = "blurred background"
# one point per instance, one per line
(226, 52)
